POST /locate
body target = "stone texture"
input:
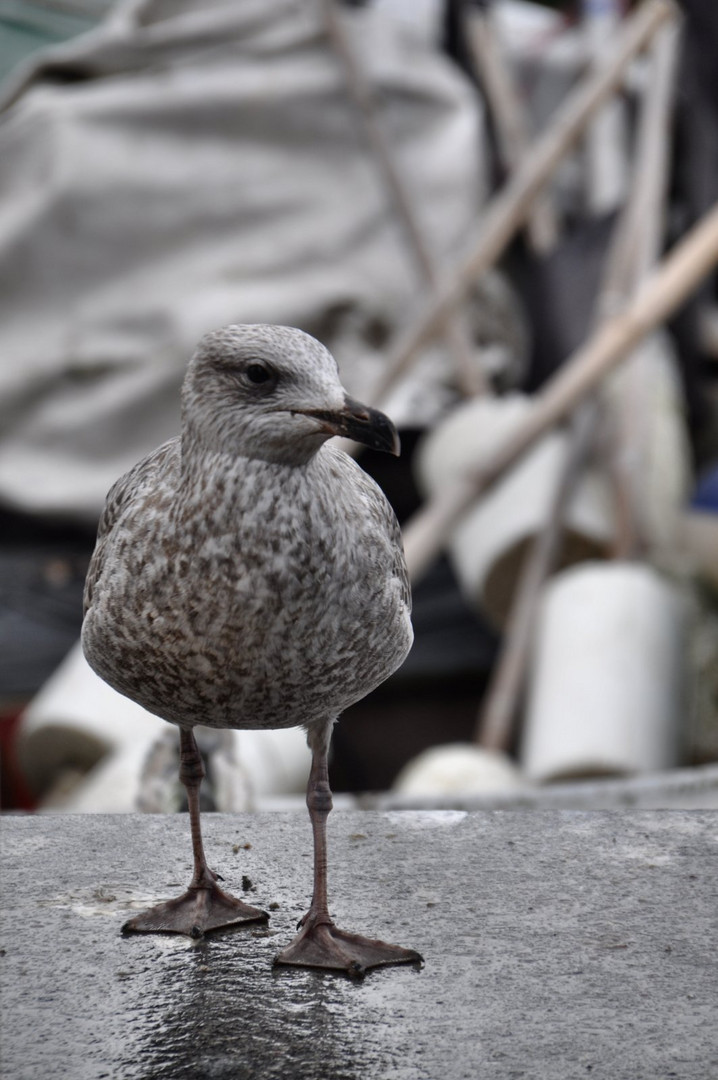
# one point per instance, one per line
(557, 945)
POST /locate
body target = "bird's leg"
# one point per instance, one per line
(204, 906)
(191, 774)
(319, 803)
(319, 943)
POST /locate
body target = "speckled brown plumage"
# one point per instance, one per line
(234, 591)
(246, 575)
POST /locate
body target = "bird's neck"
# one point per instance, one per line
(228, 443)
(203, 467)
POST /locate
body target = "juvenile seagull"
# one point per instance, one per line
(246, 575)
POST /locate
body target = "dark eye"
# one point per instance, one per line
(259, 373)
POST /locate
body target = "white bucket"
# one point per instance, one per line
(488, 547)
(605, 688)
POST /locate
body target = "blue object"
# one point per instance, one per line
(705, 496)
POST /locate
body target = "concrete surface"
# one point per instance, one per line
(557, 944)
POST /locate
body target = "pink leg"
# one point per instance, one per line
(204, 906)
(319, 943)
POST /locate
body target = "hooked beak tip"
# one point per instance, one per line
(370, 427)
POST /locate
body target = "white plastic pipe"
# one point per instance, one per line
(606, 684)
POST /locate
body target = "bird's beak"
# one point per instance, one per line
(360, 423)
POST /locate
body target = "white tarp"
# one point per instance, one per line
(191, 164)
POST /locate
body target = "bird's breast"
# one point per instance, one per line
(255, 609)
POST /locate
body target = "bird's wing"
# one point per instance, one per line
(122, 494)
(385, 520)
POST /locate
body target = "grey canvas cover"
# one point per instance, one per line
(192, 164)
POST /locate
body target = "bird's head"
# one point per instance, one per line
(273, 393)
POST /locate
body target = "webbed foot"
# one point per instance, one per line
(198, 911)
(321, 944)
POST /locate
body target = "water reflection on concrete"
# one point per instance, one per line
(217, 1010)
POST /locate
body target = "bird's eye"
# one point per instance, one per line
(259, 373)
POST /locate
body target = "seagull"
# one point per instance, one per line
(248, 574)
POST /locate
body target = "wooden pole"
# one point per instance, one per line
(508, 117)
(639, 243)
(635, 247)
(495, 724)
(468, 373)
(509, 210)
(660, 295)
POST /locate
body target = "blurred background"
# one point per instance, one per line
(168, 168)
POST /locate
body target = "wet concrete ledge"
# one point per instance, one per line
(558, 945)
